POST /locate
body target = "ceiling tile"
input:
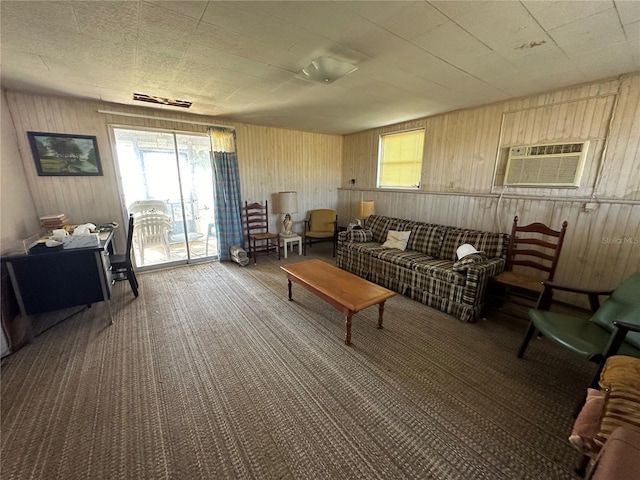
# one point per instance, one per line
(37, 19)
(629, 11)
(155, 19)
(502, 29)
(376, 11)
(590, 33)
(221, 39)
(192, 8)
(329, 19)
(239, 59)
(615, 59)
(251, 22)
(632, 32)
(414, 21)
(451, 42)
(552, 14)
(108, 20)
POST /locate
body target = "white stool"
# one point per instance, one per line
(288, 240)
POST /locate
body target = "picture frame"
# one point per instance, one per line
(62, 154)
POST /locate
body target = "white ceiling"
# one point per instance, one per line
(238, 60)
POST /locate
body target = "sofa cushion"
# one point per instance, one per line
(441, 270)
(426, 238)
(379, 226)
(463, 264)
(587, 423)
(365, 247)
(406, 258)
(493, 244)
(620, 379)
(621, 409)
(621, 370)
(396, 239)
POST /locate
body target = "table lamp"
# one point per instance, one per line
(288, 205)
(366, 208)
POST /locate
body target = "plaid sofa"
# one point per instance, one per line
(424, 271)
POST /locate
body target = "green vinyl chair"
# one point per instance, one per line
(613, 328)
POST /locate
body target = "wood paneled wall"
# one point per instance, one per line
(461, 159)
(460, 178)
(17, 211)
(271, 159)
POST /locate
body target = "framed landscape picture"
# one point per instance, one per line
(63, 154)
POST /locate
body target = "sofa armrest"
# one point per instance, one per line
(360, 235)
(478, 278)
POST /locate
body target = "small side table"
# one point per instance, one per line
(289, 239)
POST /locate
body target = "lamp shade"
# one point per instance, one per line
(288, 202)
(366, 208)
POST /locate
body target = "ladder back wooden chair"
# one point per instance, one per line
(261, 241)
(534, 250)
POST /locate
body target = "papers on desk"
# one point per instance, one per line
(81, 241)
(81, 237)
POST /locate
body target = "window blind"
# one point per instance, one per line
(400, 159)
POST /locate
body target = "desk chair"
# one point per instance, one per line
(261, 241)
(121, 264)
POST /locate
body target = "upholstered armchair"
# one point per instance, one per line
(322, 226)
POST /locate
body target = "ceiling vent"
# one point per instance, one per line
(549, 165)
(141, 97)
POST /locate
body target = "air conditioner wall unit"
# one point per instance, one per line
(546, 165)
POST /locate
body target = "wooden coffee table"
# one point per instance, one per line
(345, 291)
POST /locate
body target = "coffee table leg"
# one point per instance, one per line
(380, 312)
(348, 322)
(290, 296)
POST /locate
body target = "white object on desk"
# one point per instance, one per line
(81, 241)
(289, 239)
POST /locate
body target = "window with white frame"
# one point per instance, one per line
(400, 159)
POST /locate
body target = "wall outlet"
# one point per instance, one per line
(588, 207)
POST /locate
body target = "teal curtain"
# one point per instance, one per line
(227, 204)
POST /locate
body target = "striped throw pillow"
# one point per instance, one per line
(621, 409)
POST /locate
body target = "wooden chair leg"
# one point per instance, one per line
(527, 338)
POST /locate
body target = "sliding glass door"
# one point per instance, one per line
(167, 183)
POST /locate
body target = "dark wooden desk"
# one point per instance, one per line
(67, 278)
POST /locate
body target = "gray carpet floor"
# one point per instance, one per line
(212, 374)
